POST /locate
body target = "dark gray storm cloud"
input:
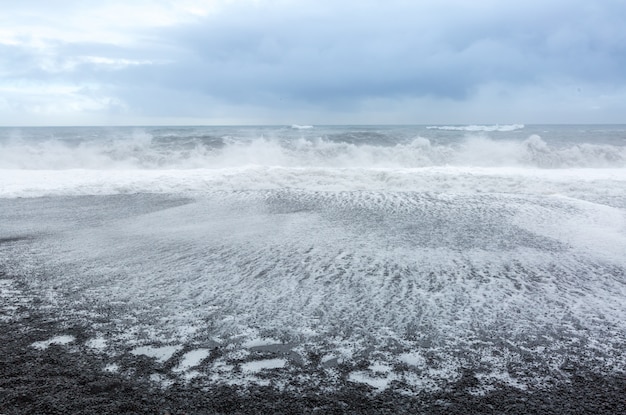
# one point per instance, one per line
(396, 49)
(320, 56)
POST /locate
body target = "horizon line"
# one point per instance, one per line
(292, 125)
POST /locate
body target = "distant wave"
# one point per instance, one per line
(478, 128)
(301, 127)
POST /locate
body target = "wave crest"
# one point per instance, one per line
(478, 128)
(142, 151)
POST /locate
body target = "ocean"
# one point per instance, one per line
(389, 258)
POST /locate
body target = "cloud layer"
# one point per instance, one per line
(312, 61)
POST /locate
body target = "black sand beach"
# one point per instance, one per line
(70, 380)
(357, 270)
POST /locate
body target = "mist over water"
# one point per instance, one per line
(404, 254)
(332, 147)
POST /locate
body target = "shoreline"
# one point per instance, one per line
(62, 378)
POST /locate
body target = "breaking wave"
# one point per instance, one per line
(143, 151)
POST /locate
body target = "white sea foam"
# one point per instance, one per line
(259, 342)
(573, 182)
(141, 152)
(259, 365)
(97, 343)
(60, 340)
(161, 354)
(192, 359)
(413, 359)
(379, 382)
(430, 272)
(361, 266)
(112, 368)
(475, 128)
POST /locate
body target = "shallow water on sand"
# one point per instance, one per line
(419, 285)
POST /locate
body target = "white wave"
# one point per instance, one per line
(477, 128)
(301, 127)
(574, 182)
(141, 152)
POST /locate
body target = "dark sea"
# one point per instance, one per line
(407, 262)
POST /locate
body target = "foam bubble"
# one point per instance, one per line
(161, 354)
(59, 340)
(259, 365)
(192, 359)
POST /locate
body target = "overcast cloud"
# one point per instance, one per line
(283, 62)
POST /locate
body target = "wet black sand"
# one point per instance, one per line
(62, 380)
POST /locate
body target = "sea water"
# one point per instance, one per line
(396, 255)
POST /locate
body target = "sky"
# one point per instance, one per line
(220, 62)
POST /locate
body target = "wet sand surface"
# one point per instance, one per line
(67, 377)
